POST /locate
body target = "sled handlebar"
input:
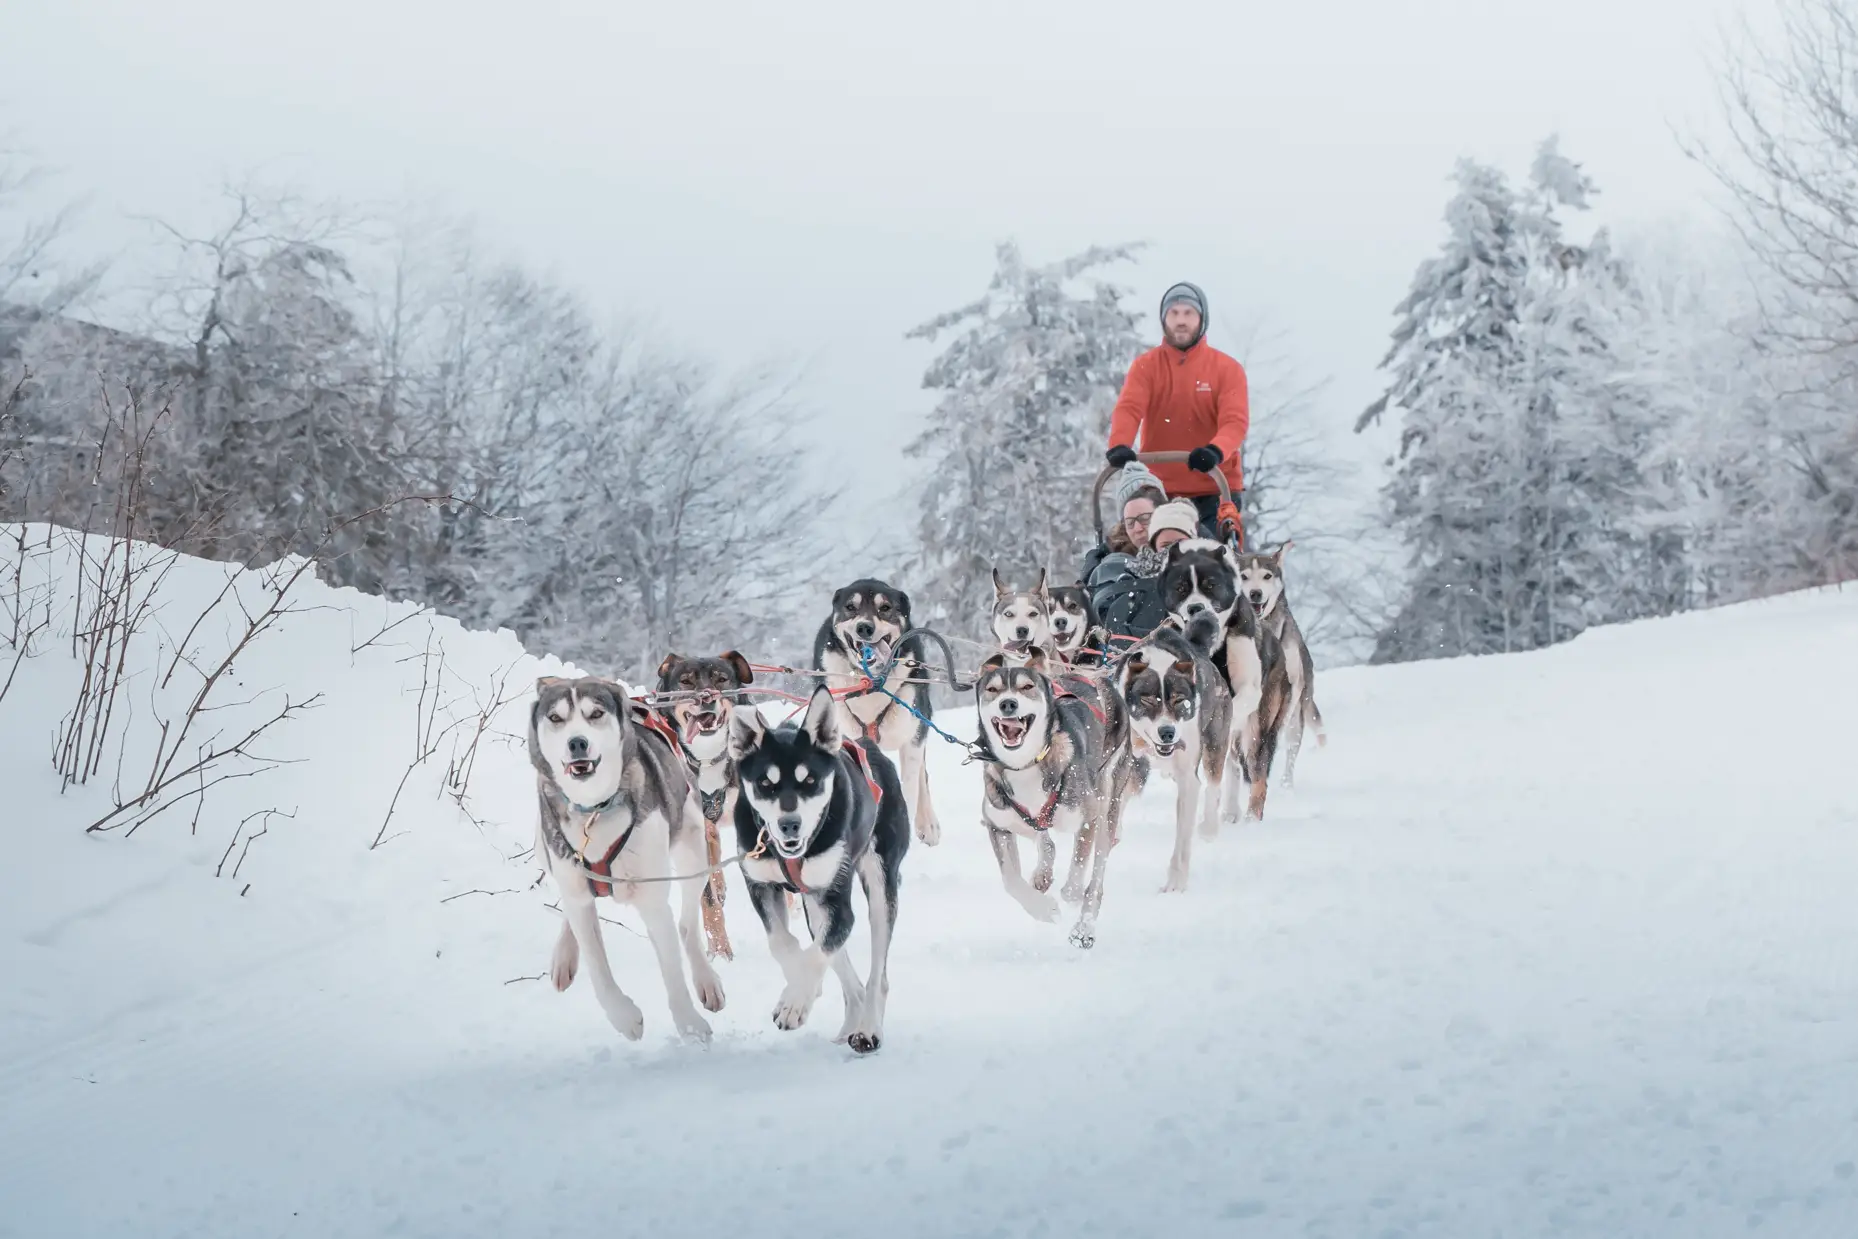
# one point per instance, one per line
(1147, 458)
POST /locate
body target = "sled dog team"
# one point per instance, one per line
(634, 797)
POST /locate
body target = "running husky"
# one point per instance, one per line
(1047, 756)
(1261, 580)
(616, 805)
(701, 694)
(1200, 588)
(1077, 636)
(814, 810)
(1180, 720)
(873, 615)
(1021, 618)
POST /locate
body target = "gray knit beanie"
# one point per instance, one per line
(1135, 478)
(1189, 294)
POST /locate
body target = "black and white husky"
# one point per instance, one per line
(1200, 588)
(1046, 771)
(1077, 636)
(873, 616)
(816, 809)
(1021, 618)
(1180, 722)
(698, 698)
(617, 806)
(1261, 580)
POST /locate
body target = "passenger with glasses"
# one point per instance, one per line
(1123, 575)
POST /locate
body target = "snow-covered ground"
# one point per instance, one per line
(1561, 943)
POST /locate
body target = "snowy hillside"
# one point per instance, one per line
(1560, 943)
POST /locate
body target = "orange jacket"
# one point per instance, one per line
(1180, 401)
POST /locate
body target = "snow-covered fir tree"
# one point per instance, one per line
(1518, 486)
(1028, 378)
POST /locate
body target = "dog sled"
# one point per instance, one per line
(1230, 521)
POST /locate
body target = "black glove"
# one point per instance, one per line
(1119, 456)
(1205, 459)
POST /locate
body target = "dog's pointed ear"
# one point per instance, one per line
(822, 720)
(993, 664)
(1000, 589)
(744, 673)
(664, 668)
(1136, 664)
(1039, 588)
(545, 682)
(746, 730)
(1035, 658)
(1277, 556)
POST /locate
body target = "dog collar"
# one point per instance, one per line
(602, 807)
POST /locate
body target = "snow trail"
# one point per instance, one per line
(1558, 943)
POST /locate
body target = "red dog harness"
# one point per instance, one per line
(1061, 689)
(1040, 823)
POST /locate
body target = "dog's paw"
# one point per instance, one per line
(1084, 936)
(864, 1042)
(1041, 879)
(692, 1026)
(1176, 883)
(566, 961)
(930, 832)
(710, 992)
(792, 1009)
(1072, 892)
(1209, 827)
(626, 1018)
(1041, 906)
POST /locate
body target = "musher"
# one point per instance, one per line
(1186, 395)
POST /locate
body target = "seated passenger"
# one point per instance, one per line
(1123, 575)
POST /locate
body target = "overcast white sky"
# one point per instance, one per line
(812, 179)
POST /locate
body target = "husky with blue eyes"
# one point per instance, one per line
(815, 811)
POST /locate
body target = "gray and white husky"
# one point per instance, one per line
(1021, 618)
(616, 805)
(1046, 770)
(1180, 722)
(1078, 640)
(1261, 580)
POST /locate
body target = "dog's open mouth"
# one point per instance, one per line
(1020, 645)
(582, 767)
(1012, 731)
(707, 721)
(1166, 750)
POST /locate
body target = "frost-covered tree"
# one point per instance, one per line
(1454, 366)
(615, 500)
(36, 272)
(1518, 487)
(1027, 380)
(1790, 166)
(281, 432)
